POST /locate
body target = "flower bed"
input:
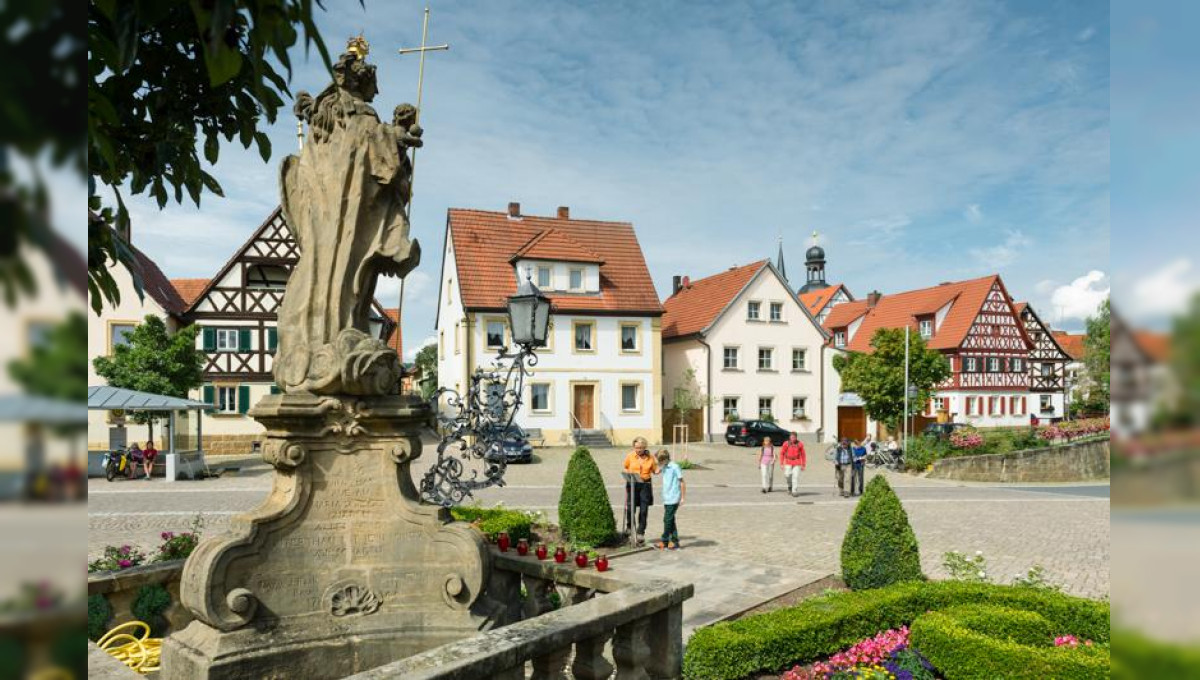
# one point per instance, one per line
(819, 628)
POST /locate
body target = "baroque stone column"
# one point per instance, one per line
(342, 568)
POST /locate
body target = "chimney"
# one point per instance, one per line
(686, 282)
(676, 284)
(514, 209)
(873, 298)
(564, 212)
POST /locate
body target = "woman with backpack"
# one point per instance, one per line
(766, 465)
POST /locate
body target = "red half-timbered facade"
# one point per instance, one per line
(975, 325)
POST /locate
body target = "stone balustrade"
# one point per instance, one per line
(121, 588)
(642, 620)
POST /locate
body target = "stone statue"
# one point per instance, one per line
(345, 197)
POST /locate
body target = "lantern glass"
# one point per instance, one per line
(529, 315)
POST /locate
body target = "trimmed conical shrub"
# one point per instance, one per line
(584, 513)
(880, 548)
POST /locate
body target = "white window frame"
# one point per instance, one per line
(770, 410)
(226, 399)
(925, 328)
(754, 310)
(801, 352)
(772, 308)
(582, 279)
(839, 338)
(1046, 403)
(637, 397)
(970, 365)
(637, 337)
(224, 334)
(800, 413)
(113, 327)
(575, 337)
(549, 282)
(549, 398)
(726, 410)
(487, 332)
(737, 358)
(770, 359)
(993, 364)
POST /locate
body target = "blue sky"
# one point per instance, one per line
(1156, 158)
(925, 141)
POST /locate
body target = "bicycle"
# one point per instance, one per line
(878, 457)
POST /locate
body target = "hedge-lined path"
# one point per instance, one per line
(1065, 528)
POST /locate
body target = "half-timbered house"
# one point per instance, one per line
(1047, 366)
(236, 310)
(974, 324)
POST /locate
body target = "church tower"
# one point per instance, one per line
(779, 261)
(814, 264)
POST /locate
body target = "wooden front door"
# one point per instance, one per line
(584, 406)
(852, 422)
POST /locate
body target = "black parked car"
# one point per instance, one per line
(513, 445)
(753, 432)
(941, 430)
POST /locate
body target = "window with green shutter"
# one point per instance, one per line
(272, 339)
(210, 395)
(243, 405)
(209, 336)
(244, 339)
(275, 389)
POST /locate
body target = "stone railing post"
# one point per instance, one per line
(631, 651)
(589, 663)
(666, 641)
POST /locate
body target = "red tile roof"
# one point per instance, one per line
(902, 309)
(1071, 343)
(698, 304)
(1157, 346)
(157, 285)
(816, 300)
(554, 245)
(485, 242)
(190, 289)
(396, 339)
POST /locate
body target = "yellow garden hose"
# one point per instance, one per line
(139, 653)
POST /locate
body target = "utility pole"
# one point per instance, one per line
(906, 388)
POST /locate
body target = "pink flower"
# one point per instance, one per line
(124, 564)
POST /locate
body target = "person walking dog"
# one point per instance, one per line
(640, 465)
(793, 459)
(766, 465)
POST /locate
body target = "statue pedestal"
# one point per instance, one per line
(341, 569)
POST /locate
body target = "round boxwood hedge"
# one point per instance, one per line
(820, 627)
(584, 513)
(981, 642)
(880, 547)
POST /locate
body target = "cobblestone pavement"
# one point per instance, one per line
(1065, 528)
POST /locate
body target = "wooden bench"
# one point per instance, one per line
(534, 434)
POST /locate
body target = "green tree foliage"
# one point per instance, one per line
(1096, 355)
(584, 513)
(57, 368)
(155, 361)
(880, 547)
(1185, 360)
(878, 377)
(169, 78)
(427, 361)
(688, 396)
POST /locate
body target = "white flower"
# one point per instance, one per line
(979, 553)
(982, 575)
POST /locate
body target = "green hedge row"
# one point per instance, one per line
(982, 642)
(823, 626)
(1135, 656)
(492, 521)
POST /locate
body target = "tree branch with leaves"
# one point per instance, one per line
(878, 376)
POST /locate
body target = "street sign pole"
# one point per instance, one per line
(906, 390)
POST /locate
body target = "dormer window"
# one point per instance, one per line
(576, 279)
(839, 338)
(925, 328)
(543, 278)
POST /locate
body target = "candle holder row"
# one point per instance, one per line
(503, 542)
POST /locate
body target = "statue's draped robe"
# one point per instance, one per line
(344, 199)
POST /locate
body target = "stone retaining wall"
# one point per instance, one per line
(120, 588)
(1069, 463)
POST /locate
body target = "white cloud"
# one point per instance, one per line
(410, 355)
(1086, 34)
(1078, 299)
(973, 213)
(1164, 292)
(1002, 254)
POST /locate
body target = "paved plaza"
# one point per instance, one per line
(762, 545)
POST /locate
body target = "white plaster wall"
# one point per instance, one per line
(782, 384)
(450, 317)
(958, 408)
(560, 273)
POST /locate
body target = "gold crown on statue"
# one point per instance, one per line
(358, 46)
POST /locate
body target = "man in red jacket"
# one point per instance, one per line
(793, 459)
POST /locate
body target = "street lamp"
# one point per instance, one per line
(476, 423)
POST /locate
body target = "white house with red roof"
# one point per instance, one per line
(599, 379)
(753, 349)
(975, 324)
